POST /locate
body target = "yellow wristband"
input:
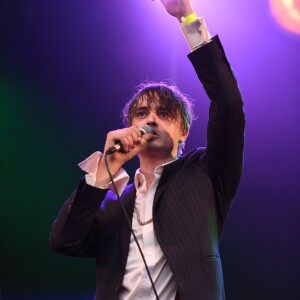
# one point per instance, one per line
(189, 19)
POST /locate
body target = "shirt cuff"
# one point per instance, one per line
(196, 33)
(90, 166)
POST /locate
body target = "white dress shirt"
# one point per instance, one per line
(136, 283)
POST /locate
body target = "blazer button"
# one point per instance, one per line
(117, 289)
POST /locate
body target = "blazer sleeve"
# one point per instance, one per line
(226, 125)
(73, 233)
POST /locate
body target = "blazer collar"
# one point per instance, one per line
(167, 175)
(128, 200)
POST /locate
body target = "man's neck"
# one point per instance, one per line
(148, 165)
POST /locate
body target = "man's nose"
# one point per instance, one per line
(152, 119)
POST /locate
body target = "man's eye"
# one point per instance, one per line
(164, 114)
(140, 114)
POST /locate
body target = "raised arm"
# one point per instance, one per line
(225, 131)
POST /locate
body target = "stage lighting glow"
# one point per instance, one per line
(287, 13)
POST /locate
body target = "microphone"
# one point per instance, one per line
(118, 146)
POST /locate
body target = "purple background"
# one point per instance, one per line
(66, 70)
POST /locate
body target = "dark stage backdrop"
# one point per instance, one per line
(66, 70)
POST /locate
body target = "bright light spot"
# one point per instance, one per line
(287, 13)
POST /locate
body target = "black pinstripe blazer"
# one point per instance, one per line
(190, 205)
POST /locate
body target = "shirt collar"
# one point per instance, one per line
(139, 178)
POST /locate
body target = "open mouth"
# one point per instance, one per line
(155, 135)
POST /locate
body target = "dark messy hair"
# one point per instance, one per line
(168, 97)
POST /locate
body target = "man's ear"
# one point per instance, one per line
(184, 135)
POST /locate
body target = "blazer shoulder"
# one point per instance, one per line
(194, 155)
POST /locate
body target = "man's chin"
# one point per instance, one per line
(157, 148)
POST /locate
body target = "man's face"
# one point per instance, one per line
(168, 131)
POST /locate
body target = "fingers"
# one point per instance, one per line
(143, 141)
(131, 138)
(128, 137)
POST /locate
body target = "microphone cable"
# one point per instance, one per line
(129, 223)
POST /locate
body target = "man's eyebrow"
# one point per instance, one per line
(141, 108)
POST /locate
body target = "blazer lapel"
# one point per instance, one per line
(167, 175)
(128, 200)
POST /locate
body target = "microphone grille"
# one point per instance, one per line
(146, 129)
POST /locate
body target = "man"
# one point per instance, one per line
(177, 206)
